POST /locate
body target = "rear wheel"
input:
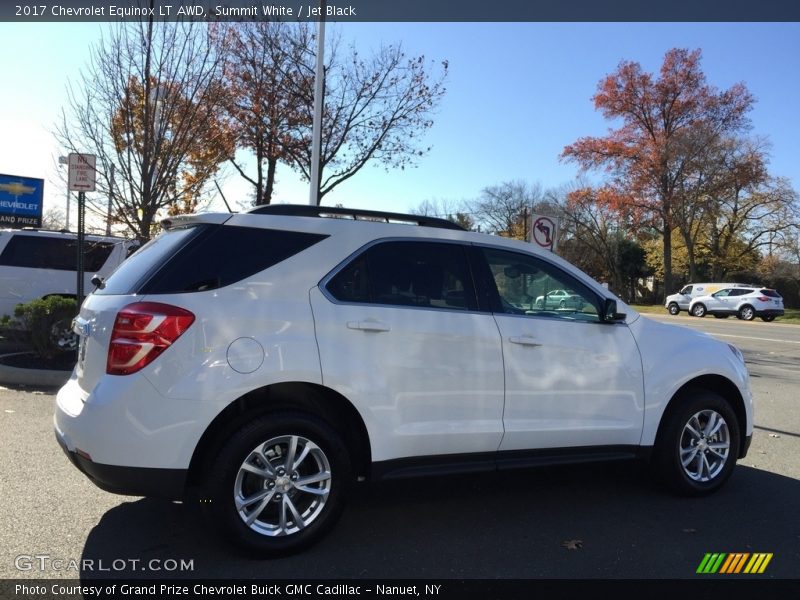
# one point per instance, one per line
(699, 310)
(698, 444)
(747, 313)
(279, 483)
(768, 318)
(673, 308)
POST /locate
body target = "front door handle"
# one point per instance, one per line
(524, 340)
(368, 325)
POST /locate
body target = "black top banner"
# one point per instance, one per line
(404, 10)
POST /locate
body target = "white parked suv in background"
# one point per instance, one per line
(37, 263)
(675, 303)
(260, 363)
(745, 302)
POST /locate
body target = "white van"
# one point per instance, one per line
(680, 301)
(37, 263)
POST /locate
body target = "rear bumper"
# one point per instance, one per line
(770, 312)
(129, 481)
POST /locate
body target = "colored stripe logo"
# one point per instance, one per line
(734, 563)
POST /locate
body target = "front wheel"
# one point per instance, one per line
(698, 444)
(279, 483)
(699, 310)
(673, 308)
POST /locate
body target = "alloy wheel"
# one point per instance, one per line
(705, 445)
(282, 486)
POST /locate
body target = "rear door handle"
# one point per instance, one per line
(368, 325)
(524, 340)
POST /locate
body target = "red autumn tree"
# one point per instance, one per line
(648, 155)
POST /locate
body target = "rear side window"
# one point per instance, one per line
(221, 255)
(418, 274)
(741, 292)
(41, 252)
(771, 293)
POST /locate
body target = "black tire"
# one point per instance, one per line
(768, 318)
(270, 534)
(699, 310)
(562, 304)
(720, 316)
(675, 441)
(673, 308)
(747, 313)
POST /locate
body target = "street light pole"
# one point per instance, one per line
(316, 136)
(63, 160)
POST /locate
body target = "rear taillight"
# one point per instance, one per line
(142, 331)
(762, 299)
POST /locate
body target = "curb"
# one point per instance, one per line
(32, 377)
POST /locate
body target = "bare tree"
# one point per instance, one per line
(504, 209)
(263, 99)
(147, 106)
(454, 210)
(376, 109)
(54, 218)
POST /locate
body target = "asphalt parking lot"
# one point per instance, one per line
(606, 521)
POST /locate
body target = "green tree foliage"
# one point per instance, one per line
(46, 320)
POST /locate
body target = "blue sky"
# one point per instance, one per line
(517, 94)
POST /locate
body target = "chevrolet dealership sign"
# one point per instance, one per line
(20, 201)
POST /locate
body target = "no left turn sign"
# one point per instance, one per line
(544, 232)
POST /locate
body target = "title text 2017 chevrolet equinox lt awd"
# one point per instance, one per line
(266, 360)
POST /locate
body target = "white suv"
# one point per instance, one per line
(746, 303)
(259, 363)
(39, 263)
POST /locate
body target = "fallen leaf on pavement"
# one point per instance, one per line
(573, 544)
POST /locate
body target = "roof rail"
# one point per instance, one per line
(305, 210)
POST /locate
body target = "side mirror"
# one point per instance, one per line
(610, 314)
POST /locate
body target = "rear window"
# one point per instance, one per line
(43, 252)
(146, 260)
(205, 257)
(771, 293)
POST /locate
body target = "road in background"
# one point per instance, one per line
(497, 525)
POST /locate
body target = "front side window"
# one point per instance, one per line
(414, 274)
(533, 287)
(686, 291)
(723, 294)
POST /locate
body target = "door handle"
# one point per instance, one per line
(524, 340)
(368, 325)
